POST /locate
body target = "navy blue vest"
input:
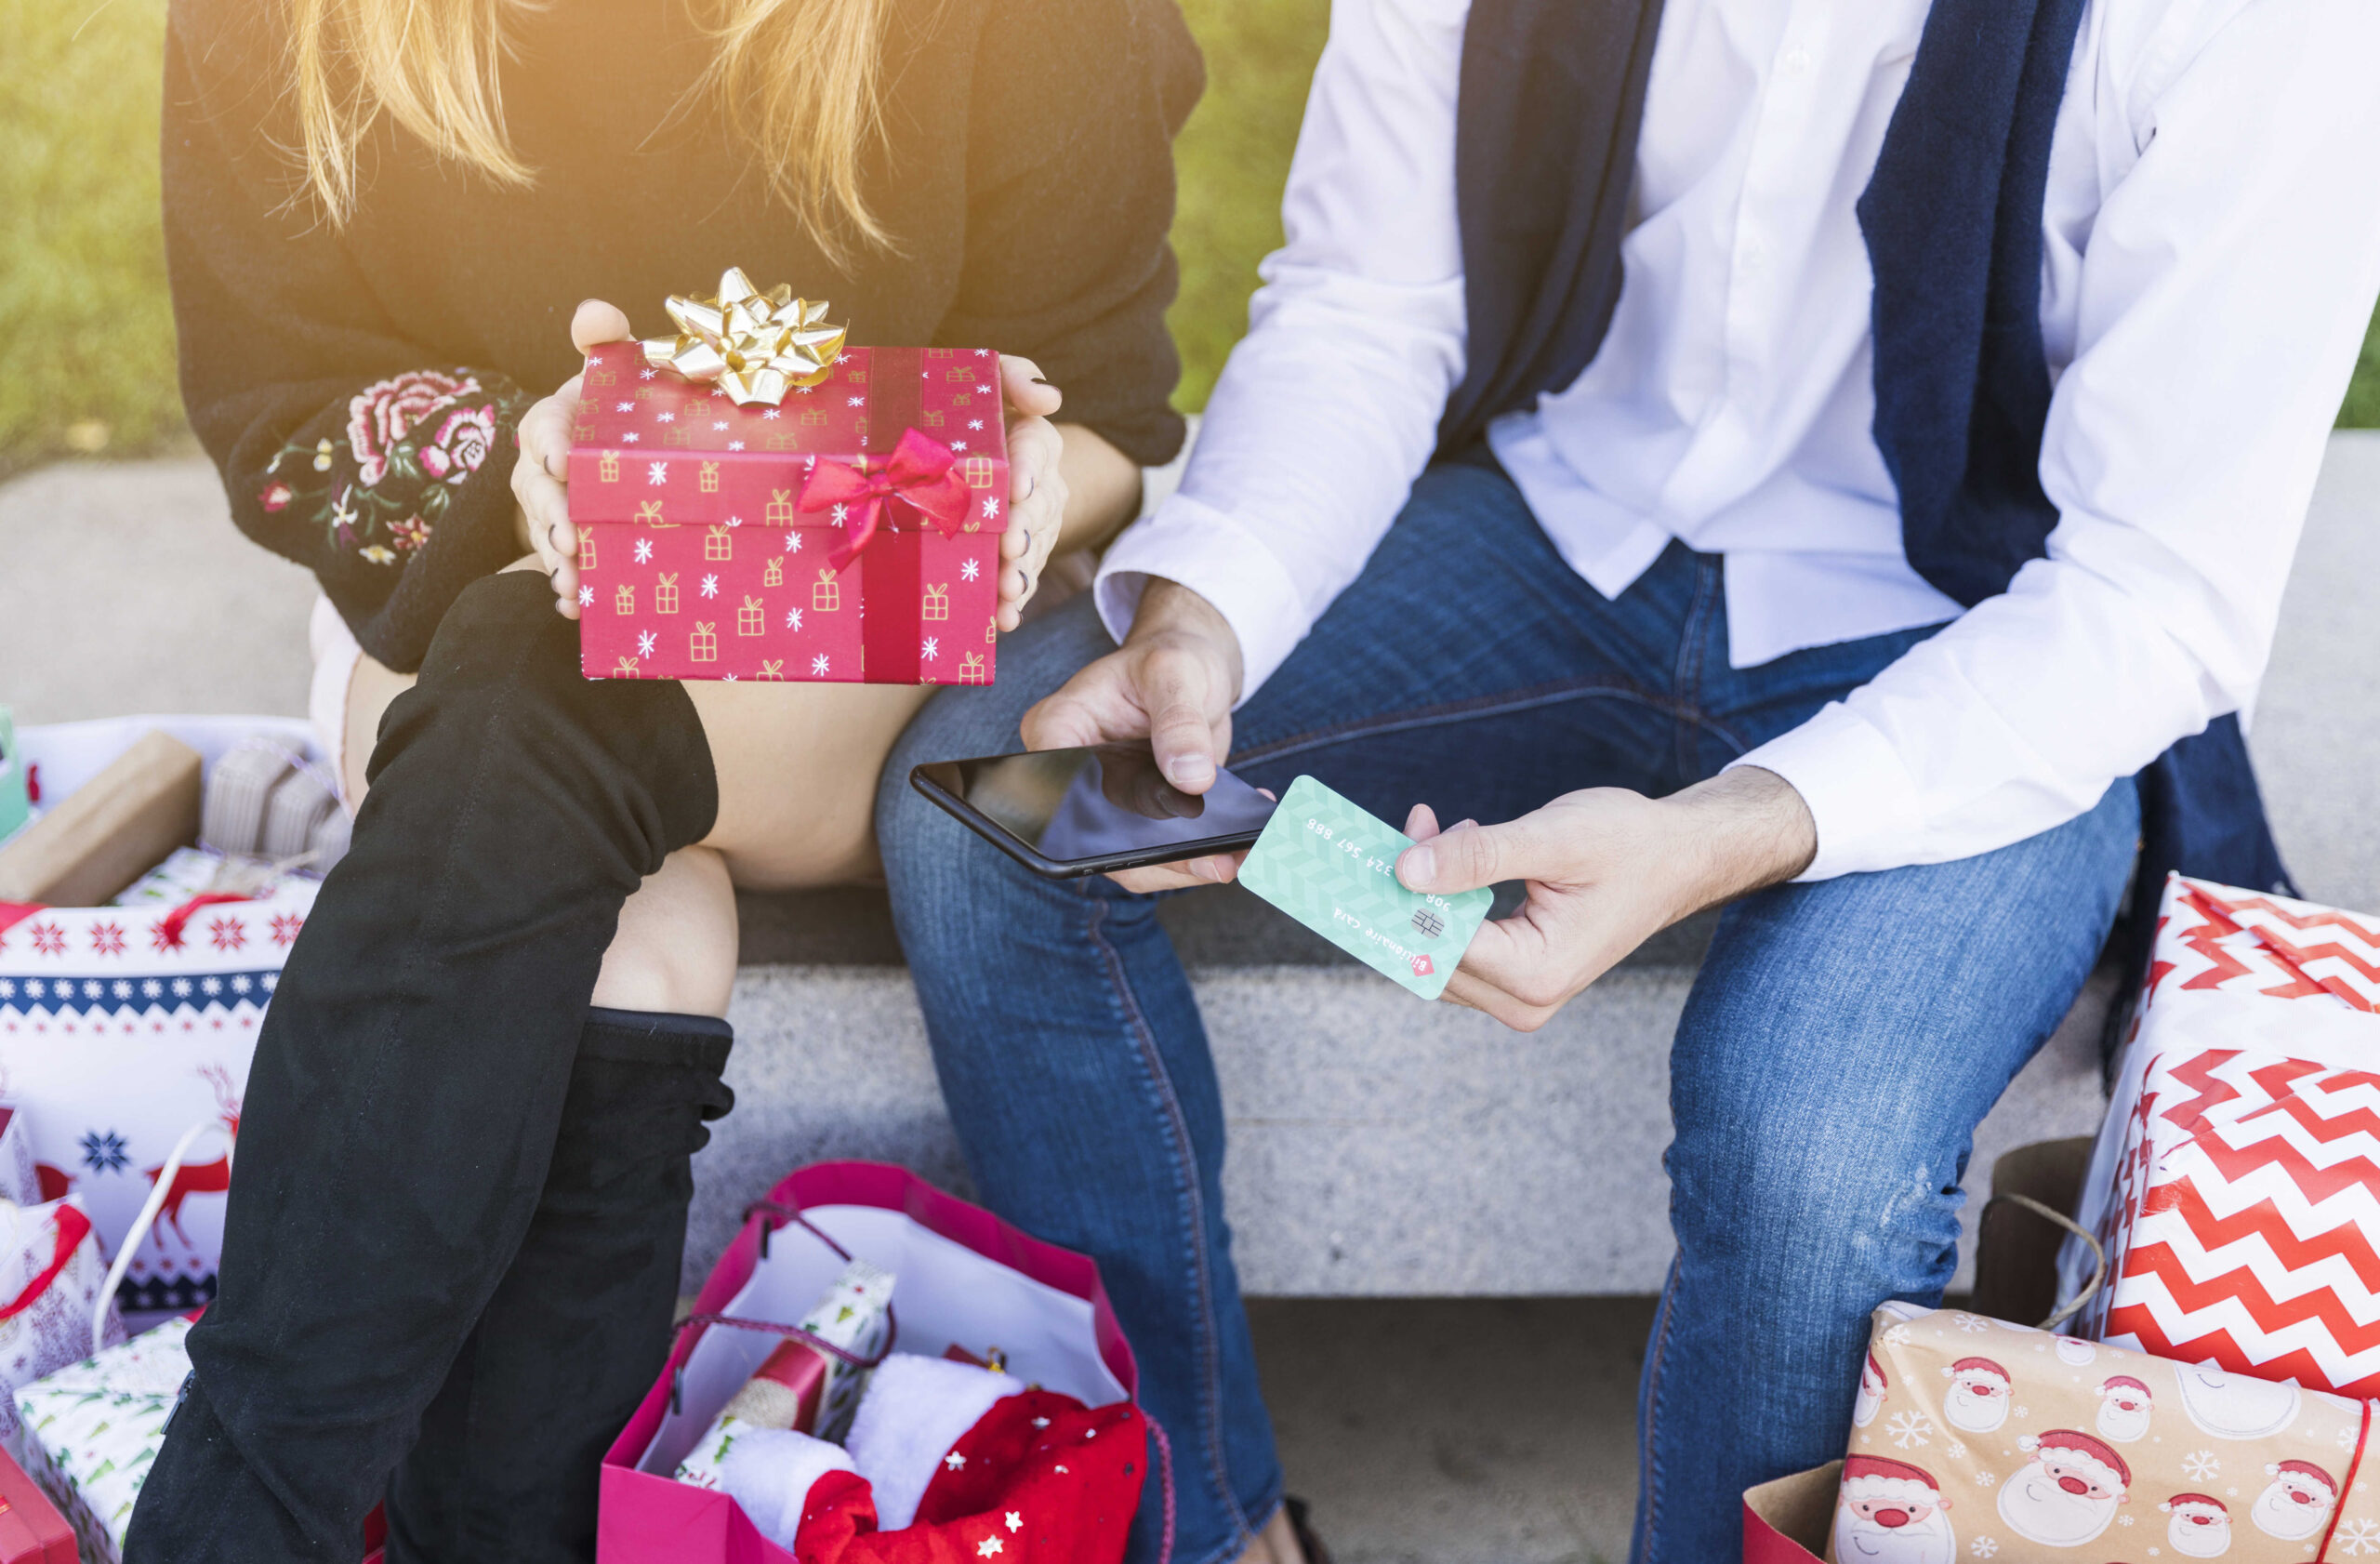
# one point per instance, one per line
(1551, 97)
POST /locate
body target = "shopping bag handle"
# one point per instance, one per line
(74, 1227)
(2066, 1311)
(763, 1210)
(158, 1192)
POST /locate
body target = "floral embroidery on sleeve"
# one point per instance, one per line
(411, 441)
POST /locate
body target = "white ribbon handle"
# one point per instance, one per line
(140, 1229)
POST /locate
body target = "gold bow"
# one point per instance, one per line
(757, 346)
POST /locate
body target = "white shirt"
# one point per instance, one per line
(2212, 252)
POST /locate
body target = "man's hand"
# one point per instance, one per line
(1173, 682)
(1606, 870)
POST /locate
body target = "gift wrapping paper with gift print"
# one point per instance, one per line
(849, 535)
(2235, 1182)
(92, 1431)
(1973, 1438)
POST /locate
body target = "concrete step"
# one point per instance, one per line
(1379, 1146)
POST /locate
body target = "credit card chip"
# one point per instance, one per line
(1427, 924)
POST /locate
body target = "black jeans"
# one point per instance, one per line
(459, 1207)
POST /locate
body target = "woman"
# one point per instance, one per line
(452, 1250)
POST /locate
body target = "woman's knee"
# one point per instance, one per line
(675, 949)
(501, 706)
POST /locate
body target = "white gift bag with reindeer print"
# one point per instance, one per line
(121, 1027)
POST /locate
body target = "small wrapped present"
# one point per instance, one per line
(52, 1277)
(32, 1532)
(830, 514)
(1983, 1439)
(798, 1388)
(2235, 1182)
(16, 790)
(104, 835)
(92, 1430)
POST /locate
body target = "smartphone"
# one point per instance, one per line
(1064, 813)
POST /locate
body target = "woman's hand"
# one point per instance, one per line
(541, 478)
(1036, 491)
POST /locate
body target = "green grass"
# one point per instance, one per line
(1232, 158)
(86, 333)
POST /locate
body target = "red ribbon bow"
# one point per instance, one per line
(922, 473)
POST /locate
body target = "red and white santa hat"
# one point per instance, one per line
(2074, 1448)
(2203, 1501)
(2114, 1382)
(1875, 1479)
(2305, 1471)
(1966, 1366)
(1876, 1371)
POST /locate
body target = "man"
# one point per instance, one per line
(1843, 462)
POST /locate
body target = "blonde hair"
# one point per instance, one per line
(801, 75)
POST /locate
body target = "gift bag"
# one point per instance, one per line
(122, 1026)
(968, 1286)
(52, 1280)
(2236, 1181)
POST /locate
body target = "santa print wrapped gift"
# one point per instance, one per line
(847, 533)
(1977, 1439)
(2235, 1182)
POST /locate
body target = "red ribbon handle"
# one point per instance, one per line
(169, 928)
(921, 474)
(2347, 1488)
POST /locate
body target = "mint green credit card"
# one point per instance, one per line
(1332, 867)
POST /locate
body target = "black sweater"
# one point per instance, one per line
(357, 386)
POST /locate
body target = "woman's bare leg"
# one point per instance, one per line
(675, 949)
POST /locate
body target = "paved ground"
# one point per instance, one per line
(1449, 1432)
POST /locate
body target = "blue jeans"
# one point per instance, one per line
(1842, 1042)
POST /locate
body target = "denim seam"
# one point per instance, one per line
(1687, 691)
(1460, 712)
(1649, 1482)
(1186, 1166)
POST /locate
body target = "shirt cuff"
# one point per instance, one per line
(1209, 552)
(1857, 791)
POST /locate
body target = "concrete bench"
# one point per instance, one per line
(1380, 1146)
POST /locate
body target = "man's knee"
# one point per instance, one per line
(1817, 1194)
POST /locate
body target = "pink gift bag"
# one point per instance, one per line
(965, 1279)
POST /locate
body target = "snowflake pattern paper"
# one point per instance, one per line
(697, 561)
(91, 997)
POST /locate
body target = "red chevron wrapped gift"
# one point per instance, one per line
(2236, 1183)
(849, 535)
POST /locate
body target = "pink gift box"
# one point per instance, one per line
(712, 544)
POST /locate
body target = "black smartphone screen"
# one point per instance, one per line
(1070, 812)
